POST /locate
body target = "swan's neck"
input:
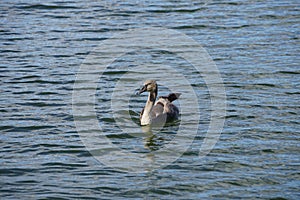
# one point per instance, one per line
(146, 117)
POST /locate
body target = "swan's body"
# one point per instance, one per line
(160, 111)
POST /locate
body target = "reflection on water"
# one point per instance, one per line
(157, 137)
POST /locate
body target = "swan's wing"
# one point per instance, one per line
(173, 112)
(157, 109)
(157, 115)
(164, 111)
(171, 97)
(160, 119)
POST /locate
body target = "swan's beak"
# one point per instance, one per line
(143, 89)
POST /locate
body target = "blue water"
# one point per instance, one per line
(255, 46)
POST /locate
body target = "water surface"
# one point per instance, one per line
(255, 46)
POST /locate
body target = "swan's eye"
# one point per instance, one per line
(148, 85)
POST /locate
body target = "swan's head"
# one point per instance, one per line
(149, 86)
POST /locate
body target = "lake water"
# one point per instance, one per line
(46, 44)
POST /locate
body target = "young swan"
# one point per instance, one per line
(161, 111)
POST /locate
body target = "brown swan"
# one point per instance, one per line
(162, 110)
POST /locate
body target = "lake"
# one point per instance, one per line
(70, 116)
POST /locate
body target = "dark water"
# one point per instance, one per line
(255, 45)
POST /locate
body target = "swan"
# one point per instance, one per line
(160, 111)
